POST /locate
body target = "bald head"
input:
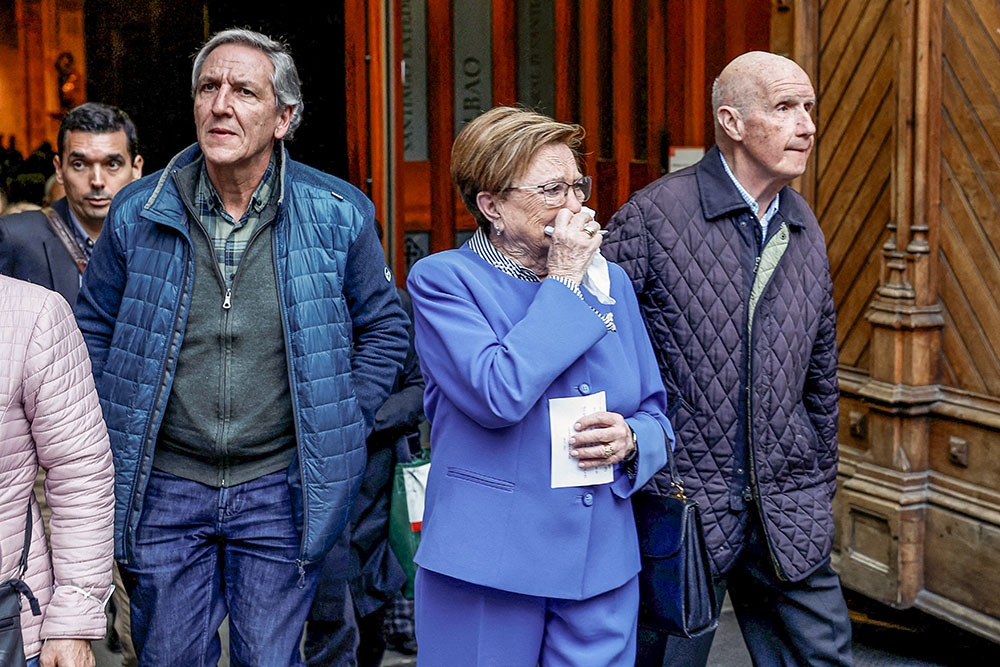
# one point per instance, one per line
(743, 83)
(762, 105)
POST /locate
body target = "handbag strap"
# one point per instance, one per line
(18, 584)
(676, 484)
(59, 229)
(27, 544)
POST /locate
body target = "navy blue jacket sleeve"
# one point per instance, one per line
(404, 409)
(101, 293)
(821, 393)
(628, 245)
(379, 337)
(6, 256)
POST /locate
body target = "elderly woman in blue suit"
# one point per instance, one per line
(529, 552)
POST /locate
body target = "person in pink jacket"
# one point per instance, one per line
(50, 417)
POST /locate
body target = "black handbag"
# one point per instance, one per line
(676, 594)
(11, 643)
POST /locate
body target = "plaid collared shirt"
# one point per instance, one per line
(230, 238)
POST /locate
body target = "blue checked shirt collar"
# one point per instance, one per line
(751, 202)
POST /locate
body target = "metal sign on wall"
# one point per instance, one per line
(473, 61)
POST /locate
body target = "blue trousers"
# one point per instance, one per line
(459, 623)
(783, 623)
(203, 552)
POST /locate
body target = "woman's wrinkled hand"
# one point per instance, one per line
(66, 653)
(602, 438)
(572, 246)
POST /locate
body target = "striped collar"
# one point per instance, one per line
(481, 245)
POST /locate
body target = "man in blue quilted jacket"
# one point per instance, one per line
(731, 270)
(243, 328)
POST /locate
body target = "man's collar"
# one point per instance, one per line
(81, 235)
(262, 194)
(748, 198)
(720, 197)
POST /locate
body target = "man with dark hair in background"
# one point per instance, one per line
(98, 154)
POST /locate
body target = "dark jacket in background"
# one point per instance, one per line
(361, 574)
(362, 555)
(751, 374)
(30, 250)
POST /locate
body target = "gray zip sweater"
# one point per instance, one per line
(229, 417)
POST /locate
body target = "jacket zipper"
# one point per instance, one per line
(132, 517)
(753, 460)
(300, 562)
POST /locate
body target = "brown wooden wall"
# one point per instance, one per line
(970, 196)
(636, 74)
(904, 181)
(855, 111)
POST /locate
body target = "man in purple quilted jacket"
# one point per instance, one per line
(731, 270)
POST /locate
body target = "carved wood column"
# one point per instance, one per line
(906, 320)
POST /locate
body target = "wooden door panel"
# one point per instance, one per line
(855, 115)
(970, 187)
(636, 74)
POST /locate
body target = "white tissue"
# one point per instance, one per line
(597, 280)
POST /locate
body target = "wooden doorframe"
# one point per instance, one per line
(370, 93)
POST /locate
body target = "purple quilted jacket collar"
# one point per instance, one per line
(720, 198)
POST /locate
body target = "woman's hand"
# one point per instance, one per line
(66, 653)
(573, 246)
(602, 438)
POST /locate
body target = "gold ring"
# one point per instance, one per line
(609, 451)
(590, 232)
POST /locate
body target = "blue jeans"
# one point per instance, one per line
(33, 662)
(203, 552)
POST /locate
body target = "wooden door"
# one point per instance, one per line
(636, 74)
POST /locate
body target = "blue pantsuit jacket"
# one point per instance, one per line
(494, 349)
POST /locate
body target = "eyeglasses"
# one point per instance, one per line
(554, 193)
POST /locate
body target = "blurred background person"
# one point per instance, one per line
(361, 575)
(98, 156)
(53, 420)
(54, 191)
(513, 571)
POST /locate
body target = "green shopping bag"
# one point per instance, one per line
(406, 513)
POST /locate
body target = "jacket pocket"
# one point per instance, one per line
(482, 480)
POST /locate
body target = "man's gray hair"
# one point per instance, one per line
(284, 76)
(738, 92)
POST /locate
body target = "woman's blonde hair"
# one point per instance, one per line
(496, 148)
